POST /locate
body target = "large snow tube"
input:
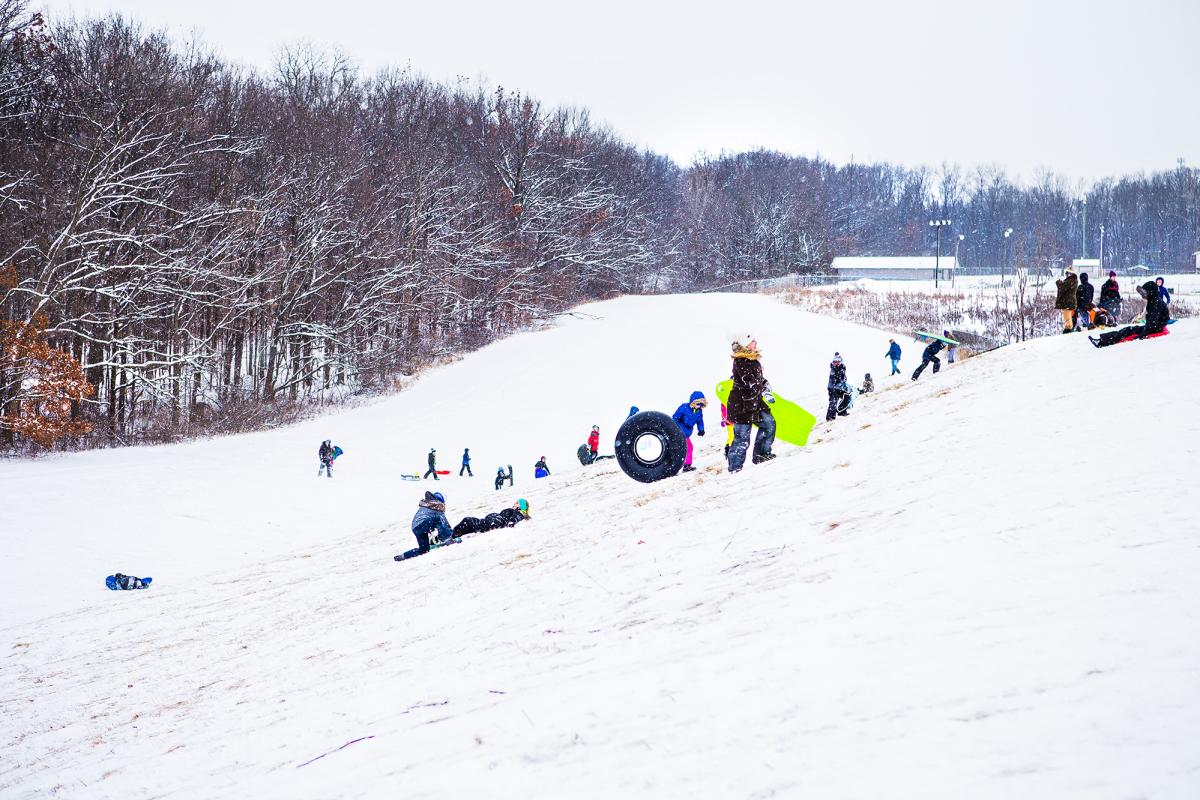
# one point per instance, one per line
(650, 447)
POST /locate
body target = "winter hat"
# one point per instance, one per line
(523, 506)
(595, 427)
(744, 344)
(1112, 274)
(439, 497)
(837, 358)
(945, 333)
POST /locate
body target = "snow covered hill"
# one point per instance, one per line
(983, 584)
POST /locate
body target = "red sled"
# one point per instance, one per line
(1163, 332)
(443, 472)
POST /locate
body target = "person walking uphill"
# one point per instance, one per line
(1068, 286)
(593, 441)
(1083, 298)
(432, 464)
(691, 415)
(466, 465)
(839, 389)
(930, 356)
(894, 354)
(430, 518)
(749, 404)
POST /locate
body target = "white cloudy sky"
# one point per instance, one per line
(1088, 89)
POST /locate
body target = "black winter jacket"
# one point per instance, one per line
(745, 404)
(1085, 292)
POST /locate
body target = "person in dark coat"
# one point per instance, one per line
(1110, 296)
(894, 354)
(466, 465)
(868, 385)
(1162, 291)
(1065, 302)
(430, 518)
(839, 389)
(540, 470)
(432, 465)
(749, 404)
(1083, 298)
(1157, 316)
(501, 476)
(930, 357)
(325, 454)
(518, 512)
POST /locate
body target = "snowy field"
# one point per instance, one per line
(980, 585)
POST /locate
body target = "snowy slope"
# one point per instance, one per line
(945, 595)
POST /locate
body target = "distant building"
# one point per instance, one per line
(1091, 265)
(892, 268)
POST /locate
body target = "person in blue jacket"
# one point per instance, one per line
(430, 518)
(894, 354)
(466, 465)
(691, 415)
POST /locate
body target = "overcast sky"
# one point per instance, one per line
(1088, 89)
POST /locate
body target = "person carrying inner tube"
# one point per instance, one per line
(749, 404)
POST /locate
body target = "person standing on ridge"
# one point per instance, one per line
(930, 356)
(432, 464)
(1110, 296)
(1065, 301)
(1162, 290)
(466, 465)
(839, 389)
(749, 404)
(894, 354)
(1083, 298)
(691, 415)
(951, 349)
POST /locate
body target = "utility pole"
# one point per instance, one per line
(937, 225)
(1007, 255)
(1084, 248)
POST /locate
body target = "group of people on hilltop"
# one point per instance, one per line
(1080, 309)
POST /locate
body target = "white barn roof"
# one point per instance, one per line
(894, 262)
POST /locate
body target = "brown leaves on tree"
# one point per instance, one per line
(39, 384)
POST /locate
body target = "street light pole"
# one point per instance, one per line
(956, 244)
(937, 225)
(1101, 249)
(1007, 234)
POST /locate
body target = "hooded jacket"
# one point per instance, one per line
(893, 351)
(431, 515)
(837, 376)
(1110, 292)
(933, 349)
(1157, 313)
(746, 404)
(1085, 292)
(1067, 287)
(326, 451)
(593, 442)
(687, 417)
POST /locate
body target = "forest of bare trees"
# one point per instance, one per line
(218, 247)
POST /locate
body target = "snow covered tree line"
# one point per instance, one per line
(218, 248)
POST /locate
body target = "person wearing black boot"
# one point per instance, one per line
(430, 518)
(930, 357)
(432, 464)
(839, 390)
(1083, 298)
(1157, 315)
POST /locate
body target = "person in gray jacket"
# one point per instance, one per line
(430, 518)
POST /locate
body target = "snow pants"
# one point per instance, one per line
(466, 468)
(431, 471)
(839, 404)
(327, 465)
(937, 364)
(1114, 337)
(687, 459)
(762, 441)
(895, 366)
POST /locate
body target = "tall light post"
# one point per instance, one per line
(956, 244)
(1084, 248)
(1101, 249)
(1007, 234)
(937, 225)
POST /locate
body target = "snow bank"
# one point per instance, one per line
(982, 584)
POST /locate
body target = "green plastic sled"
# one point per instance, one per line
(792, 423)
